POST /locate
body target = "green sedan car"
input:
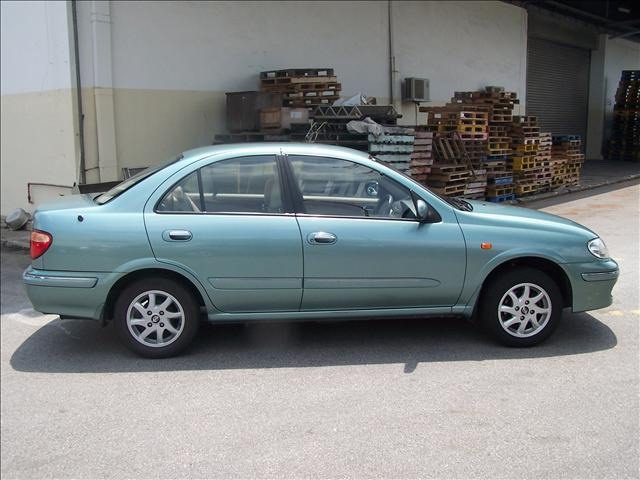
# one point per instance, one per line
(259, 232)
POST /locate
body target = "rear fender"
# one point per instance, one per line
(147, 263)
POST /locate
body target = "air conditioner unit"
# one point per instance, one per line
(416, 90)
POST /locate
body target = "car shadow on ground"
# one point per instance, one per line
(77, 346)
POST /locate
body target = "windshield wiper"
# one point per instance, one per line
(459, 203)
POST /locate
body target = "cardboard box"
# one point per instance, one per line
(283, 117)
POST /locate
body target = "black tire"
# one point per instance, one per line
(185, 299)
(490, 318)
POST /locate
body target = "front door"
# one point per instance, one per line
(227, 223)
(360, 249)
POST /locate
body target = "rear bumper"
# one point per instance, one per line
(68, 294)
(592, 283)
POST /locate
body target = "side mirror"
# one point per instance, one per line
(422, 209)
(424, 212)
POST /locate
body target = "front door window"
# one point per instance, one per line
(335, 187)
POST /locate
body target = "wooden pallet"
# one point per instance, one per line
(309, 102)
(310, 94)
(448, 177)
(527, 147)
(472, 129)
(422, 155)
(446, 189)
(501, 198)
(448, 168)
(525, 120)
(500, 118)
(297, 72)
(301, 87)
(473, 135)
(294, 80)
(419, 170)
(500, 180)
(526, 188)
(499, 190)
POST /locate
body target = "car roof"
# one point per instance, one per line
(272, 148)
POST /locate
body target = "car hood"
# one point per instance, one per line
(509, 215)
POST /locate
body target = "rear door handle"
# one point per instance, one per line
(322, 238)
(177, 235)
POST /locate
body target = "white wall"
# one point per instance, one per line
(38, 142)
(35, 43)
(222, 46)
(173, 61)
(154, 74)
(461, 46)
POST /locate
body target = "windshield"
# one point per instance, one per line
(458, 203)
(130, 182)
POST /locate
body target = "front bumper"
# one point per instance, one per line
(68, 294)
(591, 284)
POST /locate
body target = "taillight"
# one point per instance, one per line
(40, 243)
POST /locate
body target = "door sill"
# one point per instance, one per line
(220, 317)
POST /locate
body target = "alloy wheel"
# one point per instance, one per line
(524, 310)
(155, 318)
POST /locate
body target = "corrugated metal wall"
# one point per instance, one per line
(558, 86)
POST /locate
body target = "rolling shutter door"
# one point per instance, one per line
(558, 86)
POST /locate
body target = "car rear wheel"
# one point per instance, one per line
(156, 317)
(522, 307)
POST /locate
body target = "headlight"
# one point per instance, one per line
(598, 248)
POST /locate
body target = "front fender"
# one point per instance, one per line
(475, 278)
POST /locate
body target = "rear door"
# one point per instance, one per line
(360, 250)
(229, 224)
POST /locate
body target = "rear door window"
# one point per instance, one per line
(240, 185)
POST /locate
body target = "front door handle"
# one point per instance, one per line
(177, 235)
(321, 238)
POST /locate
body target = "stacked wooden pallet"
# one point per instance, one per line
(525, 140)
(494, 100)
(477, 184)
(624, 143)
(543, 161)
(559, 163)
(569, 149)
(454, 172)
(422, 156)
(394, 146)
(460, 139)
(448, 179)
(468, 124)
(493, 151)
(500, 105)
(500, 180)
(302, 87)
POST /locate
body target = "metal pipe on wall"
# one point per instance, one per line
(392, 58)
(74, 13)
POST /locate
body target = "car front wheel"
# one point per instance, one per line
(522, 307)
(156, 317)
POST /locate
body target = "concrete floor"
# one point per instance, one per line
(358, 399)
(598, 172)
